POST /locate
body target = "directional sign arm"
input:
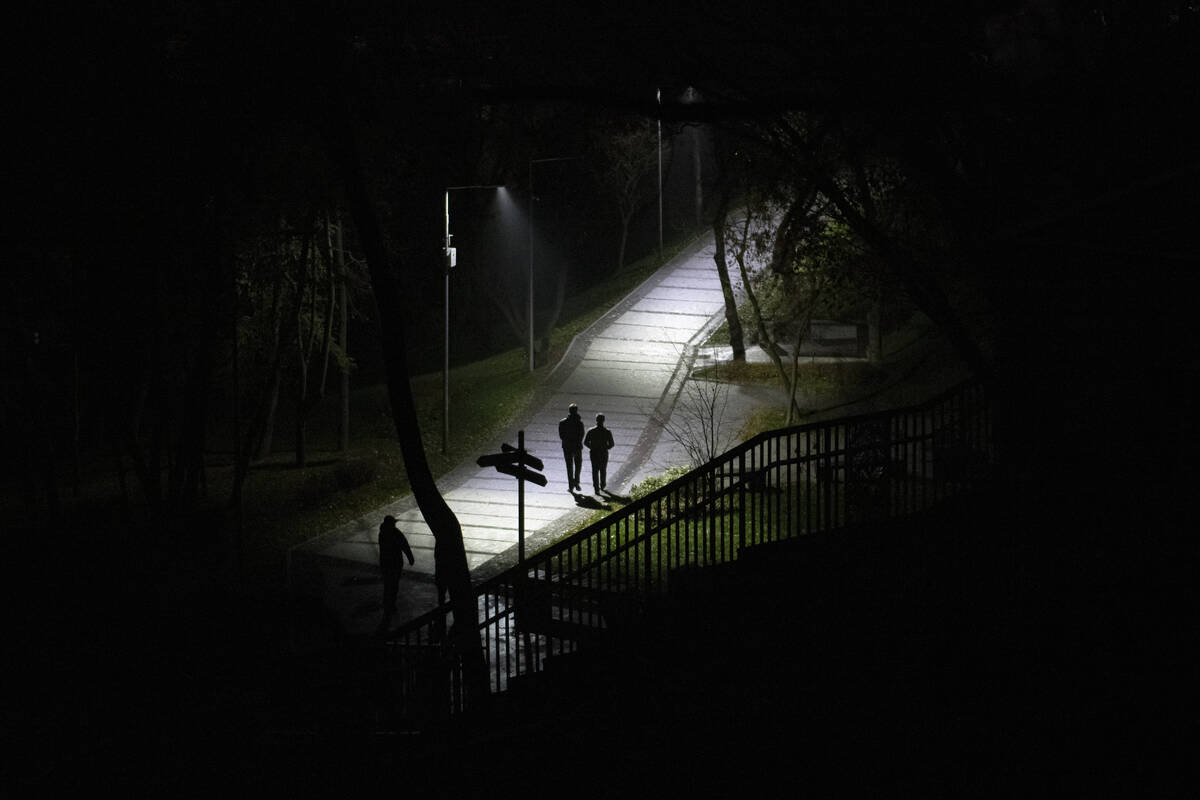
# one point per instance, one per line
(520, 472)
(516, 456)
(496, 459)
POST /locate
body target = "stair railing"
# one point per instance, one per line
(778, 485)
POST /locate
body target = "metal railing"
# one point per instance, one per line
(779, 485)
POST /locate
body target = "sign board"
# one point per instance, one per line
(520, 472)
(523, 457)
(522, 466)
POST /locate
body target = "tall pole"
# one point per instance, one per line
(697, 173)
(446, 333)
(660, 197)
(521, 503)
(529, 311)
(343, 340)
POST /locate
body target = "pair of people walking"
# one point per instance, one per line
(598, 440)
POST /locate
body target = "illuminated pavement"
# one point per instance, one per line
(629, 366)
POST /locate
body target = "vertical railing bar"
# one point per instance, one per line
(648, 545)
(933, 453)
(662, 543)
(839, 486)
(693, 524)
(758, 516)
(673, 540)
(940, 488)
(710, 541)
(590, 576)
(912, 470)
(722, 516)
(793, 516)
(926, 424)
(807, 480)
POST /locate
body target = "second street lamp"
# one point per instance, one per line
(658, 95)
(448, 262)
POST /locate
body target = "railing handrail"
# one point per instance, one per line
(728, 456)
(508, 576)
(818, 476)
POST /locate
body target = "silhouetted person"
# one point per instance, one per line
(570, 432)
(393, 547)
(598, 442)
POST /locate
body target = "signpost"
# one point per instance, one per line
(524, 467)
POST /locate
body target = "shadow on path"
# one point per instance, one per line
(587, 501)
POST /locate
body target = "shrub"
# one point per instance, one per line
(356, 472)
(653, 482)
(324, 482)
(315, 489)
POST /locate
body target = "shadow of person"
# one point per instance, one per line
(616, 498)
(587, 501)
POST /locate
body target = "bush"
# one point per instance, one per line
(354, 473)
(650, 484)
(315, 489)
(322, 483)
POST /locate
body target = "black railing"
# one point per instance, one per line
(778, 485)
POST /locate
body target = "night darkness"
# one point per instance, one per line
(162, 157)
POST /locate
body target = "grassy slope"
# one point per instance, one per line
(286, 505)
(917, 364)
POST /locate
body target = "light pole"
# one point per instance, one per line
(529, 315)
(660, 241)
(448, 261)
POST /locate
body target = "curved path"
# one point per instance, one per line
(629, 365)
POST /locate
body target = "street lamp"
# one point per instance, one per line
(529, 316)
(660, 225)
(448, 262)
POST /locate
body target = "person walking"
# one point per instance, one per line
(570, 433)
(599, 441)
(393, 547)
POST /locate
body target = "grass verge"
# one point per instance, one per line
(285, 505)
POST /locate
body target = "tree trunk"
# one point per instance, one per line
(188, 471)
(451, 560)
(301, 393)
(624, 239)
(801, 331)
(875, 331)
(262, 448)
(343, 334)
(265, 445)
(301, 448)
(764, 336)
(699, 176)
(303, 349)
(736, 337)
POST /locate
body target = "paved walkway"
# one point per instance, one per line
(629, 365)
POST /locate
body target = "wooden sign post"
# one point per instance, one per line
(521, 465)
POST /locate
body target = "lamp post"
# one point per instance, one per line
(529, 315)
(448, 262)
(660, 225)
